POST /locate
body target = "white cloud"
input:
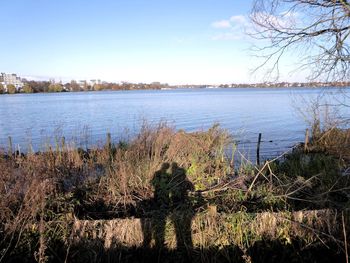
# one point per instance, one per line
(233, 28)
(238, 20)
(221, 24)
(239, 26)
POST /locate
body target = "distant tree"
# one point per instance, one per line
(84, 86)
(74, 86)
(126, 85)
(39, 86)
(98, 87)
(52, 88)
(115, 86)
(2, 89)
(42, 86)
(11, 89)
(155, 85)
(55, 87)
(27, 88)
(59, 88)
(34, 85)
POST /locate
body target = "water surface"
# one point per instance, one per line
(86, 117)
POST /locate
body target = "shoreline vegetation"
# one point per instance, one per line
(173, 196)
(74, 86)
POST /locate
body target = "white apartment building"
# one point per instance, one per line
(94, 82)
(84, 83)
(7, 79)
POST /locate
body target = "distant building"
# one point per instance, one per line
(8, 79)
(83, 84)
(94, 82)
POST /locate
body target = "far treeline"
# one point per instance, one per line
(73, 86)
(49, 86)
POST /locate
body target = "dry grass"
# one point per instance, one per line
(213, 230)
(41, 194)
(200, 154)
(334, 141)
(49, 186)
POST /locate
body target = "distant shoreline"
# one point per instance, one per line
(191, 87)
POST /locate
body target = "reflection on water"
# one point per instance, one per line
(86, 117)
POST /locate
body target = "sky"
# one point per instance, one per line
(170, 41)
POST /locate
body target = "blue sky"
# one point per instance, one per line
(173, 41)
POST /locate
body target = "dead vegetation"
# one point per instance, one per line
(59, 202)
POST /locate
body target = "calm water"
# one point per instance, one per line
(86, 117)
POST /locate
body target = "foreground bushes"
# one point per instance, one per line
(42, 195)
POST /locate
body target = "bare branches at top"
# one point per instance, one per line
(315, 31)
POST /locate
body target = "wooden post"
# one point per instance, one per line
(258, 150)
(109, 147)
(306, 143)
(10, 149)
(18, 150)
(109, 142)
(30, 148)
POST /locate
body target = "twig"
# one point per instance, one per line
(345, 239)
(300, 188)
(255, 178)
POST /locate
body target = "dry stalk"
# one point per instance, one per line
(345, 239)
(260, 171)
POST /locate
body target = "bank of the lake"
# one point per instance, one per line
(173, 196)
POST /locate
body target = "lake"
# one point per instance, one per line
(86, 117)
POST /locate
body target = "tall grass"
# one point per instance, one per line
(43, 195)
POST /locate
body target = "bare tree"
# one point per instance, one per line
(316, 31)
